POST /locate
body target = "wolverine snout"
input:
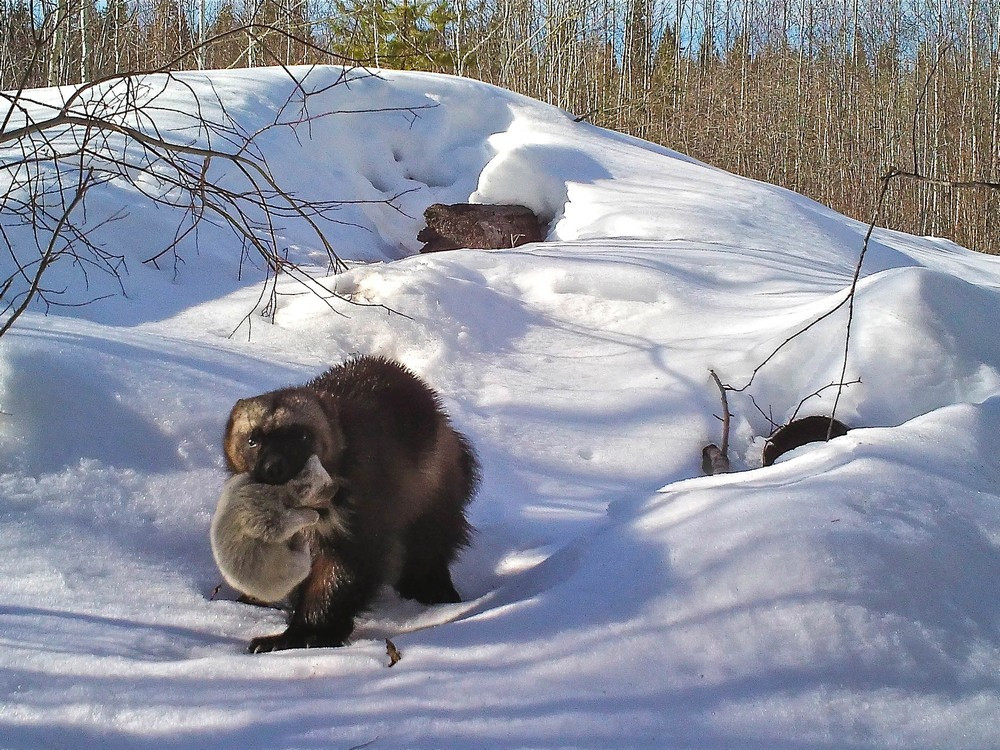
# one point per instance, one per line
(274, 468)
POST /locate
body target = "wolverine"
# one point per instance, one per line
(404, 479)
(256, 532)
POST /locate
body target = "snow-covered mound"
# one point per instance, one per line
(846, 597)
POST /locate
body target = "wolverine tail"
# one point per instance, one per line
(470, 467)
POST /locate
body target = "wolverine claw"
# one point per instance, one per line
(264, 645)
(281, 642)
(286, 641)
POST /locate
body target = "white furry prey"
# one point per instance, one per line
(257, 530)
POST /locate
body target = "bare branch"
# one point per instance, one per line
(725, 413)
(50, 253)
(957, 184)
(109, 130)
(814, 394)
(785, 343)
(715, 460)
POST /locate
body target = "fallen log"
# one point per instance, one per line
(476, 225)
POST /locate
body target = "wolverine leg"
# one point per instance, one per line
(430, 545)
(339, 586)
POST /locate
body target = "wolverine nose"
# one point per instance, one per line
(272, 469)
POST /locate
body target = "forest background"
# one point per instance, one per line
(820, 96)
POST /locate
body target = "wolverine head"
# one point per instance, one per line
(272, 436)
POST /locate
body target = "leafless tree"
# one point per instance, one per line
(814, 95)
(58, 145)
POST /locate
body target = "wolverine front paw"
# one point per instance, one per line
(288, 640)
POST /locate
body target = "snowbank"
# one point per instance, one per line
(844, 598)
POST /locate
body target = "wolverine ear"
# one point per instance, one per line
(240, 407)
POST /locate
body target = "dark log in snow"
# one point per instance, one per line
(483, 226)
(800, 432)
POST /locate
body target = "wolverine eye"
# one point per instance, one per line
(251, 442)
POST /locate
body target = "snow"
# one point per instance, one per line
(845, 597)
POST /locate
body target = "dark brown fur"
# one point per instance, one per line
(799, 432)
(406, 476)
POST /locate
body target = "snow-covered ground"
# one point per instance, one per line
(846, 597)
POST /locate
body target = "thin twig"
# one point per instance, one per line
(957, 184)
(50, 253)
(725, 414)
(715, 460)
(816, 393)
(109, 127)
(768, 416)
(920, 100)
(883, 188)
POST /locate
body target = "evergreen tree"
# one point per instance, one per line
(229, 51)
(402, 34)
